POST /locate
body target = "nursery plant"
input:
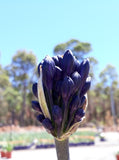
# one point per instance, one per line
(117, 155)
(3, 151)
(9, 149)
(62, 100)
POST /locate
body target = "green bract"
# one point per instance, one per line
(61, 92)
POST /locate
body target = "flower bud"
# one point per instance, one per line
(40, 118)
(83, 99)
(75, 103)
(77, 81)
(36, 106)
(58, 73)
(47, 124)
(60, 58)
(48, 71)
(66, 88)
(86, 86)
(57, 86)
(78, 115)
(68, 62)
(76, 64)
(83, 69)
(34, 90)
(56, 60)
(57, 114)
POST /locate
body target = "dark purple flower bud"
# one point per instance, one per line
(78, 115)
(40, 118)
(75, 103)
(56, 98)
(76, 64)
(47, 124)
(68, 62)
(86, 86)
(48, 70)
(57, 86)
(67, 87)
(83, 99)
(36, 106)
(83, 69)
(77, 81)
(57, 114)
(58, 73)
(56, 60)
(34, 89)
(60, 58)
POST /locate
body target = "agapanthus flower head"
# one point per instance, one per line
(62, 94)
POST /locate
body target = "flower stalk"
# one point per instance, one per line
(62, 149)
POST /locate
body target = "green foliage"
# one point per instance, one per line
(22, 68)
(43, 137)
(4, 78)
(108, 75)
(78, 48)
(9, 147)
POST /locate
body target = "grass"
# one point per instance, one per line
(43, 137)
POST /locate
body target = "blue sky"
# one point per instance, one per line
(40, 25)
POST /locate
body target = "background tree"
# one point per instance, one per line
(4, 81)
(14, 100)
(79, 49)
(21, 71)
(109, 78)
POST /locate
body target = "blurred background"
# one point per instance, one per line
(30, 30)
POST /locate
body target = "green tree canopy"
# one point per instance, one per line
(78, 48)
(108, 75)
(22, 70)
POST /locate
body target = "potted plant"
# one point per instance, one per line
(3, 152)
(9, 149)
(117, 155)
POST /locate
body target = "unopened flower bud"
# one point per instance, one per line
(58, 73)
(40, 118)
(47, 124)
(77, 81)
(83, 99)
(68, 62)
(75, 103)
(57, 114)
(78, 115)
(34, 89)
(48, 71)
(56, 60)
(84, 69)
(66, 88)
(86, 86)
(36, 106)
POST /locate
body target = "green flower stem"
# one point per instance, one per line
(62, 149)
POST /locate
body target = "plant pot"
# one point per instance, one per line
(117, 156)
(3, 154)
(8, 154)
